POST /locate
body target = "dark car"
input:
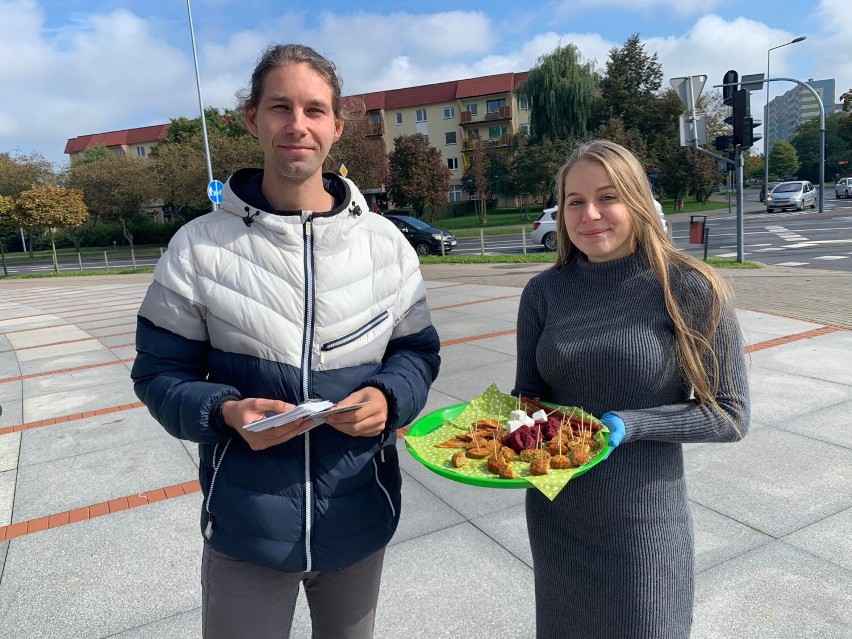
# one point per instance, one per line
(424, 238)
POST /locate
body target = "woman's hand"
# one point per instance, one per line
(616, 428)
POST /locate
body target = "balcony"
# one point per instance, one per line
(375, 128)
(469, 144)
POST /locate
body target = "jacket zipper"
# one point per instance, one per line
(307, 340)
(384, 490)
(354, 335)
(208, 530)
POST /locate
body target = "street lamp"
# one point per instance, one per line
(766, 116)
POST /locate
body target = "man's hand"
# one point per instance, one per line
(238, 413)
(367, 421)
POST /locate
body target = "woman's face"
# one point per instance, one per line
(597, 220)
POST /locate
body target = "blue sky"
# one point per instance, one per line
(76, 67)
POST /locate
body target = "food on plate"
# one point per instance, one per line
(479, 453)
(560, 462)
(529, 454)
(495, 463)
(507, 472)
(540, 466)
(458, 459)
(507, 453)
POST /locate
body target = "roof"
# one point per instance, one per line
(442, 92)
(141, 135)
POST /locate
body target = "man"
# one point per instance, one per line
(293, 291)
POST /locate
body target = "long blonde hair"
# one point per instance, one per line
(698, 360)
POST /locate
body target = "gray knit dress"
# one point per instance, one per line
(613, 553)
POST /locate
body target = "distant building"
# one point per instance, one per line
(136, 142)
(454, 116)
(787, 112)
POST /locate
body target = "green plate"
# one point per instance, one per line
(434, 420)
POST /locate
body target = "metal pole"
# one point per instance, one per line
(740, 209)
(766, 114)
(200, 102)
(23, 240)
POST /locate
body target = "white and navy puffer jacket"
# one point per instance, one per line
(290, 306)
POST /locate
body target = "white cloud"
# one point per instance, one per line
(679, 7)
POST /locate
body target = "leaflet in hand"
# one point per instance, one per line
(317, 411)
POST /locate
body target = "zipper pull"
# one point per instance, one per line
(208, 531)
(382, 454)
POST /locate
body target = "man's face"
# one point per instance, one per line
(294, 122)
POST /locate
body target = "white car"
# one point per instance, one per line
(843, 188)
(544, 228)
(788, 195)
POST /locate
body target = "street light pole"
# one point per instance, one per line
(766, 116)
(200, 102)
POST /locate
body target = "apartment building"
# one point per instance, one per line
(787, 112)
(455, 116)
(136, 142)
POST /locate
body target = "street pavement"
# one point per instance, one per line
(99, 506)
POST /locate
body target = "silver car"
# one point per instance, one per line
(544, 228)
(791, 195)
(843, 188)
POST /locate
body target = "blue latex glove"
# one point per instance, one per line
(616, 428)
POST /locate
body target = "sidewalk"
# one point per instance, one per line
(99, 506)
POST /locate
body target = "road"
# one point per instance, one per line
(806, 239)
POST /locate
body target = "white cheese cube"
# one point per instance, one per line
(539, 416)
(518, 415)
(513, 424)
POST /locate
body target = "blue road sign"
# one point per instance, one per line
(214, 191)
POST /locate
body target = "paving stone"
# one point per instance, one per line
(468, 383)
(183, 625)
(71, 482)
(778, 396)
(719, 538)
(828, 539)
(508, 528)
(759, 327)
(812, 358)
(832, 424)
(89, 435)
(7, 496)
(10, 445)
(26, 339)
(451, 325)
(772, 481)
(13, 411)
(105, 575)
(79, 379)
(460, 358)
(81, 400)
(4, 548)
(422, 512)
(774, 592)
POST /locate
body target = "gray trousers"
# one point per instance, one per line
(240, 599)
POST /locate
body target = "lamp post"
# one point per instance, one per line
(766, 116)
(200, 101)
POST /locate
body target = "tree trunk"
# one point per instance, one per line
(53, 250)
(31, 241)
(126, 232)
(3, 258)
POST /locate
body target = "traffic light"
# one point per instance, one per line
(744, 124)
(731, 78)
(723, 142)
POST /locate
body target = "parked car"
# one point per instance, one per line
(789, 195)
(764, 189)
(544, 228)
(425, 239)
(843, 188)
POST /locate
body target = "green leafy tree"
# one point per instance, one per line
(783, 160)
(534, 167)
(838, 144)
(21, 172)
(563, 92)
(846, 100)
(51, 207)
(364, 157)
(114, 188)
(418, 176)
(7, 226)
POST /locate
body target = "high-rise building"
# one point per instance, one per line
(787, 112)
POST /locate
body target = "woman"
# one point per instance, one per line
(627, 327)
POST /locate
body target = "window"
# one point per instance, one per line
(524, 103)
(398, 117)
(495, 132)
(421, 115)
(118, 151)
(493, 106)
(376, 118)
(472, 108)
(449, 112)
(453, 164)
(450, 137)
(140, 151)
(473, 134)
(455, 193)
(524, 128)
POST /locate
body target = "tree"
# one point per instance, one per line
(838, 144)
(753, 165)
(51, 207)
(7, 225)
(475, 181)
(418, 176)
(783, 160)
(846, 100)
(114, 188)
(629, 88)
(364, 157)
(534, 166)
(563, 92)
(21, 172)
